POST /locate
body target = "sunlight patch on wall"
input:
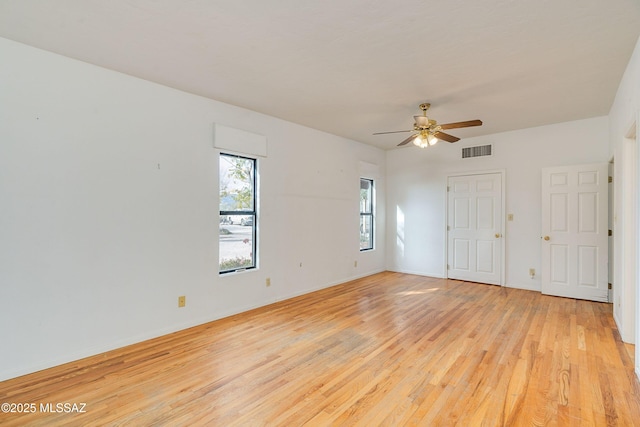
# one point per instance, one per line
(400, 231)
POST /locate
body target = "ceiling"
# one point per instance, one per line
(355, 67)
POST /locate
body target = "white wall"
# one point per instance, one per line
(416, 184)
(625, 122)
(108, 187)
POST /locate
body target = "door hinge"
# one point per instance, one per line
(610, 287)
(448, 188)
(448, 228)
(610, 179)
(448, 268)
(610, 232)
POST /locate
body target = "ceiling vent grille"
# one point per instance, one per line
(478, 151)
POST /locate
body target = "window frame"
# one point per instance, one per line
(363, 214)
(252, 213)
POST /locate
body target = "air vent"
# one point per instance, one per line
(478, 151)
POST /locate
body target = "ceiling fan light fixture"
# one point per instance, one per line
(421, 142)
(424, 140)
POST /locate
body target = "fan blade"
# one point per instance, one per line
(395, 131)
(466, 124)
(446, 137)
(408, 140)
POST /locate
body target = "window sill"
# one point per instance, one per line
(237, 272)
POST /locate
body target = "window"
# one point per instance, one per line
(237, 213)
(366, 214)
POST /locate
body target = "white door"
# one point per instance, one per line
(474, 228)
(574, 231)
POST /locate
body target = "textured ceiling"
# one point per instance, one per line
(354, 67)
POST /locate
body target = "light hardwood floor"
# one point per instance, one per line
(389, 349)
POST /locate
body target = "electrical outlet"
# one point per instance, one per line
(355, 263)
(182, 301)
(268, 281)
(532, 272)
(510, 217)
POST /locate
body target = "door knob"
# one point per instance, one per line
(547, 238)
(498, 235)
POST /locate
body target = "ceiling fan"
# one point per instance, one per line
(428, 131)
